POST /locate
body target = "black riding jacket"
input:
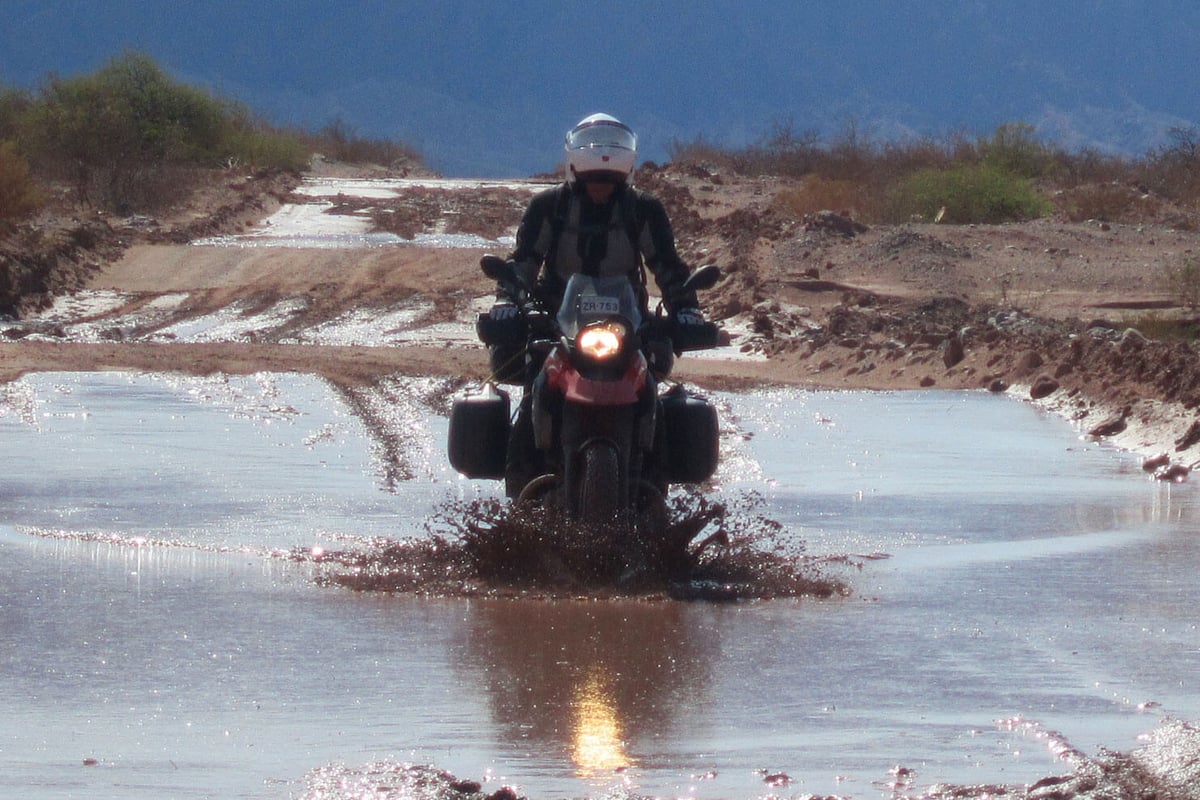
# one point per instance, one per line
(563, 233)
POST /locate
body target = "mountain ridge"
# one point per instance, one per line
(487, 89)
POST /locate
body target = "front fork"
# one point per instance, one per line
(563, 428)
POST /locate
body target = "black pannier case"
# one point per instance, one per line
(691, 436)
(478, 435)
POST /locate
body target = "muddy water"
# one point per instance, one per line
(1016, 592)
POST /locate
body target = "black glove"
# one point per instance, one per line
(503, 310)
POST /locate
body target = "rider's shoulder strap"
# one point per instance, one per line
(629, 214)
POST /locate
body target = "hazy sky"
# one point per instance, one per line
(488, 88)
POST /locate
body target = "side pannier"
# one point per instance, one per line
(479, 422)
(692, 434)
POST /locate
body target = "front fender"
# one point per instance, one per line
(577, 388)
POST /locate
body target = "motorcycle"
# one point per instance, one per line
(601, 432)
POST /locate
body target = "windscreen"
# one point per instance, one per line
(588, 299)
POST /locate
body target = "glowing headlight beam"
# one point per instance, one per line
(601, 341)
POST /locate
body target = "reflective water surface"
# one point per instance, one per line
(1015, 590)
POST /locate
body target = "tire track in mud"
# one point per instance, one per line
(393, 411)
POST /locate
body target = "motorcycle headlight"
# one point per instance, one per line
(602, 340)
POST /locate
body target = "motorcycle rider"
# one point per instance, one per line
(596, 223)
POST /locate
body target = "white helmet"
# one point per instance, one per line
(603, 145)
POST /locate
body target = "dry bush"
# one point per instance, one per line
(1107, 202)
(339, 142)
(821, 194)
(1173, 171)
(19, 195)
(1182, 279)
(703, 153)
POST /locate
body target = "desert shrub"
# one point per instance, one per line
(1155, 325)
(19, 195)
(265, 150)
(819, 194)
(14, 103)
(130, 138)
(1173, 170)
(896, 160)
(966, 194)
(783, 151)
(1182, 279)
(1089, 166)
(340, 142)
(252, 143)
(1109, 202)
(701, 151)
(1014, 149)
(113, 134)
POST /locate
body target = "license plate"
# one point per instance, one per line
(593, 304)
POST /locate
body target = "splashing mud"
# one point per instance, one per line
(707, 550)
(389, 779)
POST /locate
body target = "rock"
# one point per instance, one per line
(833, 222)
(777, 779)
(1190, 437)
(953, 352)
(927, 381)
(1132, 339)
(1156, 462)
(1029, 361)
(1174, 473)
(504, 793)
(998, 386)
(1111, 426)
(1044, 386)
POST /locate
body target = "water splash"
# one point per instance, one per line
(709, 549)
(391, 779)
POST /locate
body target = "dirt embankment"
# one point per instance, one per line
(64, 248)
(1047, 310)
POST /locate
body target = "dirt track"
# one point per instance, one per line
(829, 302)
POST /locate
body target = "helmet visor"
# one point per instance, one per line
(602, 133)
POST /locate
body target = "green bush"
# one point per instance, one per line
(252, 143)
(14, 103)
(113, 134)
(966, 194)
(1014, 149)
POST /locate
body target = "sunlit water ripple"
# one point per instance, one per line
(1007, 579)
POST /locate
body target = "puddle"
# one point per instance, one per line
(91, 315)
(1016, 594)
(312, 225)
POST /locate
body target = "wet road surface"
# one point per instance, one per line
(1016, 592)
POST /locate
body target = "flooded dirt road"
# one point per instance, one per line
(1020, 599)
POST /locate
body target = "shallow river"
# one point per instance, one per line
(1015, 589)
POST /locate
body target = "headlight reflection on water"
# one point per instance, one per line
(598, 747)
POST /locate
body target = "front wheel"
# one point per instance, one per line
(599, 489)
